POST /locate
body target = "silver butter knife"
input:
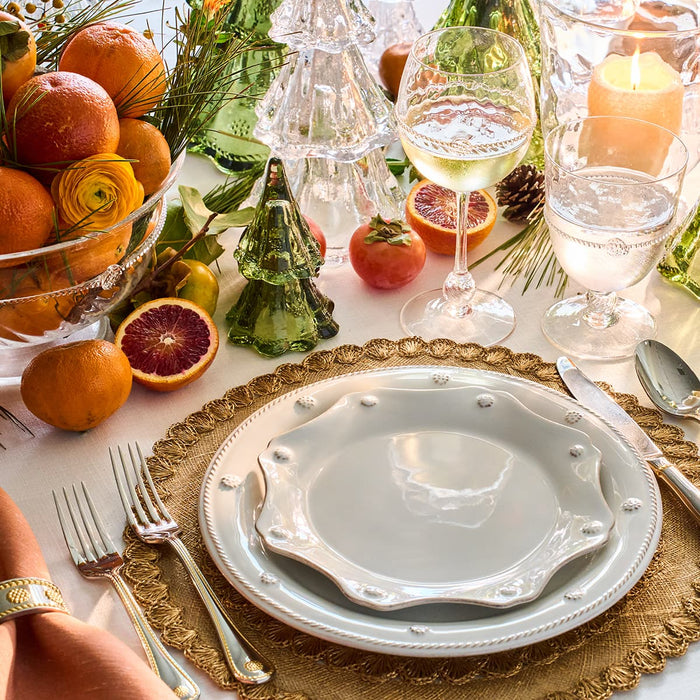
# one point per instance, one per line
(593, 397)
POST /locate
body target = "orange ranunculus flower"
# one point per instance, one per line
(96, 192)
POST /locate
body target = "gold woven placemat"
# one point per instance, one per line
(656, 620)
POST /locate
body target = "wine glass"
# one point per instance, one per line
(466, 112)
(612, 186)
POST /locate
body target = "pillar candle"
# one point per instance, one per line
(642, 86)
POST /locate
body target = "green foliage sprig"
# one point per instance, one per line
(224, 199)
(199, 82)
(530, 256)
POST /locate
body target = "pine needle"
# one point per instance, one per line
(529, 255)
(51, 34)
(230, 195)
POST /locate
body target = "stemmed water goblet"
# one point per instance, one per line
(466, 112)
(612, 187)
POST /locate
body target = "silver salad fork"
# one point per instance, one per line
(96, 557)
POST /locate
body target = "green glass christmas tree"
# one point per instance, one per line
(681, 263)
(280, 309)
(228, 137)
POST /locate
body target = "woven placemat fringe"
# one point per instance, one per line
(659, 618)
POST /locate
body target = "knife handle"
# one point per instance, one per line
(679, 484)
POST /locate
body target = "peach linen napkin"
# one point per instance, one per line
(51, 654)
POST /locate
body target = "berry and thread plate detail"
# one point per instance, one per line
(404, 497)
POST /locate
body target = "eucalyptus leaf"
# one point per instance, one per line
(205, 250)
(175, 231)
(196, 213)
(14, 42)
(9, 26)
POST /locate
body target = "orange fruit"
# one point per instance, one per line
(26, 212)
(78, 385)
(170, 342)
(30, 308)
(19, 56)
(391, 65)
(90, 257)
(58, 118)
(144, 145)
(125, 63)
(33, 317)
(431, 211)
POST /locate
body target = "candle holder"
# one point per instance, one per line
(589, 66)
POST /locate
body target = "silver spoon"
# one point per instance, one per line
(668, 380)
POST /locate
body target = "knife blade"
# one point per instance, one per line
(593, 397)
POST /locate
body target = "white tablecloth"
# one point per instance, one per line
(31, 467)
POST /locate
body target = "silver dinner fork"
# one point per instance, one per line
(96, 557)
(156, 527)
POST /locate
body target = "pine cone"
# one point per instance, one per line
(520, 192)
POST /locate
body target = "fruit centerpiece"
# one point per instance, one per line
(93, 127)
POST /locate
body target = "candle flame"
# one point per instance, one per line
(635, 74)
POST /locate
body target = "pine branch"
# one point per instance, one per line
(529, 255)
(199, 82)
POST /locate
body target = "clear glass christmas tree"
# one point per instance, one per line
(329, 120)
(397, 23)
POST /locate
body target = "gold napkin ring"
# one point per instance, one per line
(22, 596)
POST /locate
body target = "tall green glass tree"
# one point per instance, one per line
(228, 137)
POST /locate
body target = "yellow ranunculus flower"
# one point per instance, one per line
(96, 192)
(211, 7)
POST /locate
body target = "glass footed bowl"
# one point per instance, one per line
(64, 291)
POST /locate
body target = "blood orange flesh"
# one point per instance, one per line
(169, 342)
(431, 211)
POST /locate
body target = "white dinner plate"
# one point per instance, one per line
(305, 599)
(452, 494)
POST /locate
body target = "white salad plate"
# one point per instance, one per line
(297, 594)
(407, 496)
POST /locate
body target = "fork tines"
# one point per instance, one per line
(133, 499)
(85, 523)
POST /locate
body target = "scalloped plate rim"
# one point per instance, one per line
(354, 579)
(237, 551)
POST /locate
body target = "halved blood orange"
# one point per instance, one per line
(431, 211)
(170, 342)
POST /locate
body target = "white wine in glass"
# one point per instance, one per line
(485, 142)
(466, 114)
